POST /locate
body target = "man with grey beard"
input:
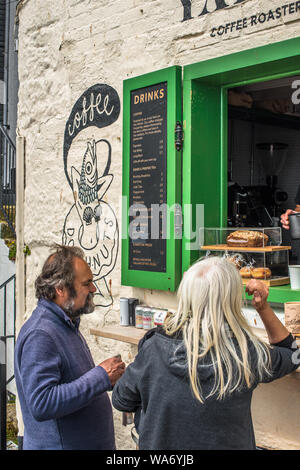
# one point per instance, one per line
(63, 395)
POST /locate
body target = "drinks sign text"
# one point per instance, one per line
(148, 177)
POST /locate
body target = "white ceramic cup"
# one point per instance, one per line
(124, 311)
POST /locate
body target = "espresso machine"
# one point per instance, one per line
(259, 205)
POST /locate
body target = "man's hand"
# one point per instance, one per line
(285, 218)
(114, 367)
(260, 294)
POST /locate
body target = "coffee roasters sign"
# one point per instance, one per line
(256, 18)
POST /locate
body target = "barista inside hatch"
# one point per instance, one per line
(286, 224)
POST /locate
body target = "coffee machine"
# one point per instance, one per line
(259, 205)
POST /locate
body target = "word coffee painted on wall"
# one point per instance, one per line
(91, 223)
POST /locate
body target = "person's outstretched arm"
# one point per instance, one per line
(284, 351)
(276, 331)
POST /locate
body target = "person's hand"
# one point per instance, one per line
(114, 367)
(275, 329)
(285, 218)
(260, 293)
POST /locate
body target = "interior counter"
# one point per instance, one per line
(281, 294)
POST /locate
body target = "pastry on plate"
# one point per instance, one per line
(246, 272)
(247, 238)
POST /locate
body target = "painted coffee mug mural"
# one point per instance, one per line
(91, 222)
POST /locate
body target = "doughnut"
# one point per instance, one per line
(261, 273)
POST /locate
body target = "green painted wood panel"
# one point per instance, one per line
(281, 294)
(272, 60)
(168, 280)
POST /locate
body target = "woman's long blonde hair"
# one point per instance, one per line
(210, 316)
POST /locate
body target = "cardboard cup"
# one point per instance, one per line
(292, 317)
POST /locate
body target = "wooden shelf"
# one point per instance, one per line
(132, 335)
(127, 334)
(273, 281)
(250, 249)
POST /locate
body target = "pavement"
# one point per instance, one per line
(10, 445)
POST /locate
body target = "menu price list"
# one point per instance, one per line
(148, 178)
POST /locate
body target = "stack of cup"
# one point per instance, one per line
(132, 306)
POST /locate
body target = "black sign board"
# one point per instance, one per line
(148, 178)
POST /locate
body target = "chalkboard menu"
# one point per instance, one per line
(148, 178)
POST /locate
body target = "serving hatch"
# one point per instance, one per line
(268, 262)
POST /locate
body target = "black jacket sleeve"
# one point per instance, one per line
(126, 395)
(285, 358)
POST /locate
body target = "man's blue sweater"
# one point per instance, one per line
(62, 394)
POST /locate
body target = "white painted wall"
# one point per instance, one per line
(65, 49)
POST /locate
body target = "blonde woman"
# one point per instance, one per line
(191, 382)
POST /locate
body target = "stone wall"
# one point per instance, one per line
(63, 52)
